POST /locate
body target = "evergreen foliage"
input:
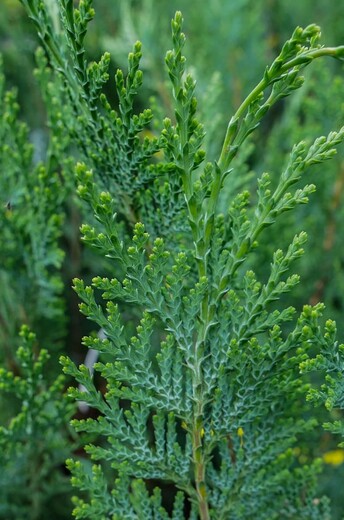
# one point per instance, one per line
(330, 361)
(35, 443)
(31, 221)
(199, 394)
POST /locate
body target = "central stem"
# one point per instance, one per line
(198, 431)
(199, 457)
(199, 463)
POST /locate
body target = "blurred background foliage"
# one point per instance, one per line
(229, 43)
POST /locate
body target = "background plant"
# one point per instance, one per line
(36, 441)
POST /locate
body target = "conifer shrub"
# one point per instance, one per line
(200, 393)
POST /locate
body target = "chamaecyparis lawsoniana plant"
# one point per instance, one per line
(206, 397)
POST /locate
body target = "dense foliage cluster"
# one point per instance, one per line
(199, 402)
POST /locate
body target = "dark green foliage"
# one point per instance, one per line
(36, 440)
(30, 226)
(331, 362)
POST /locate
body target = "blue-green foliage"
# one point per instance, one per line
(304, 118)
(90, 120)
(211, 381)
(205, 399)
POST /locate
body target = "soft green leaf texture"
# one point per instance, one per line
(199, 392)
